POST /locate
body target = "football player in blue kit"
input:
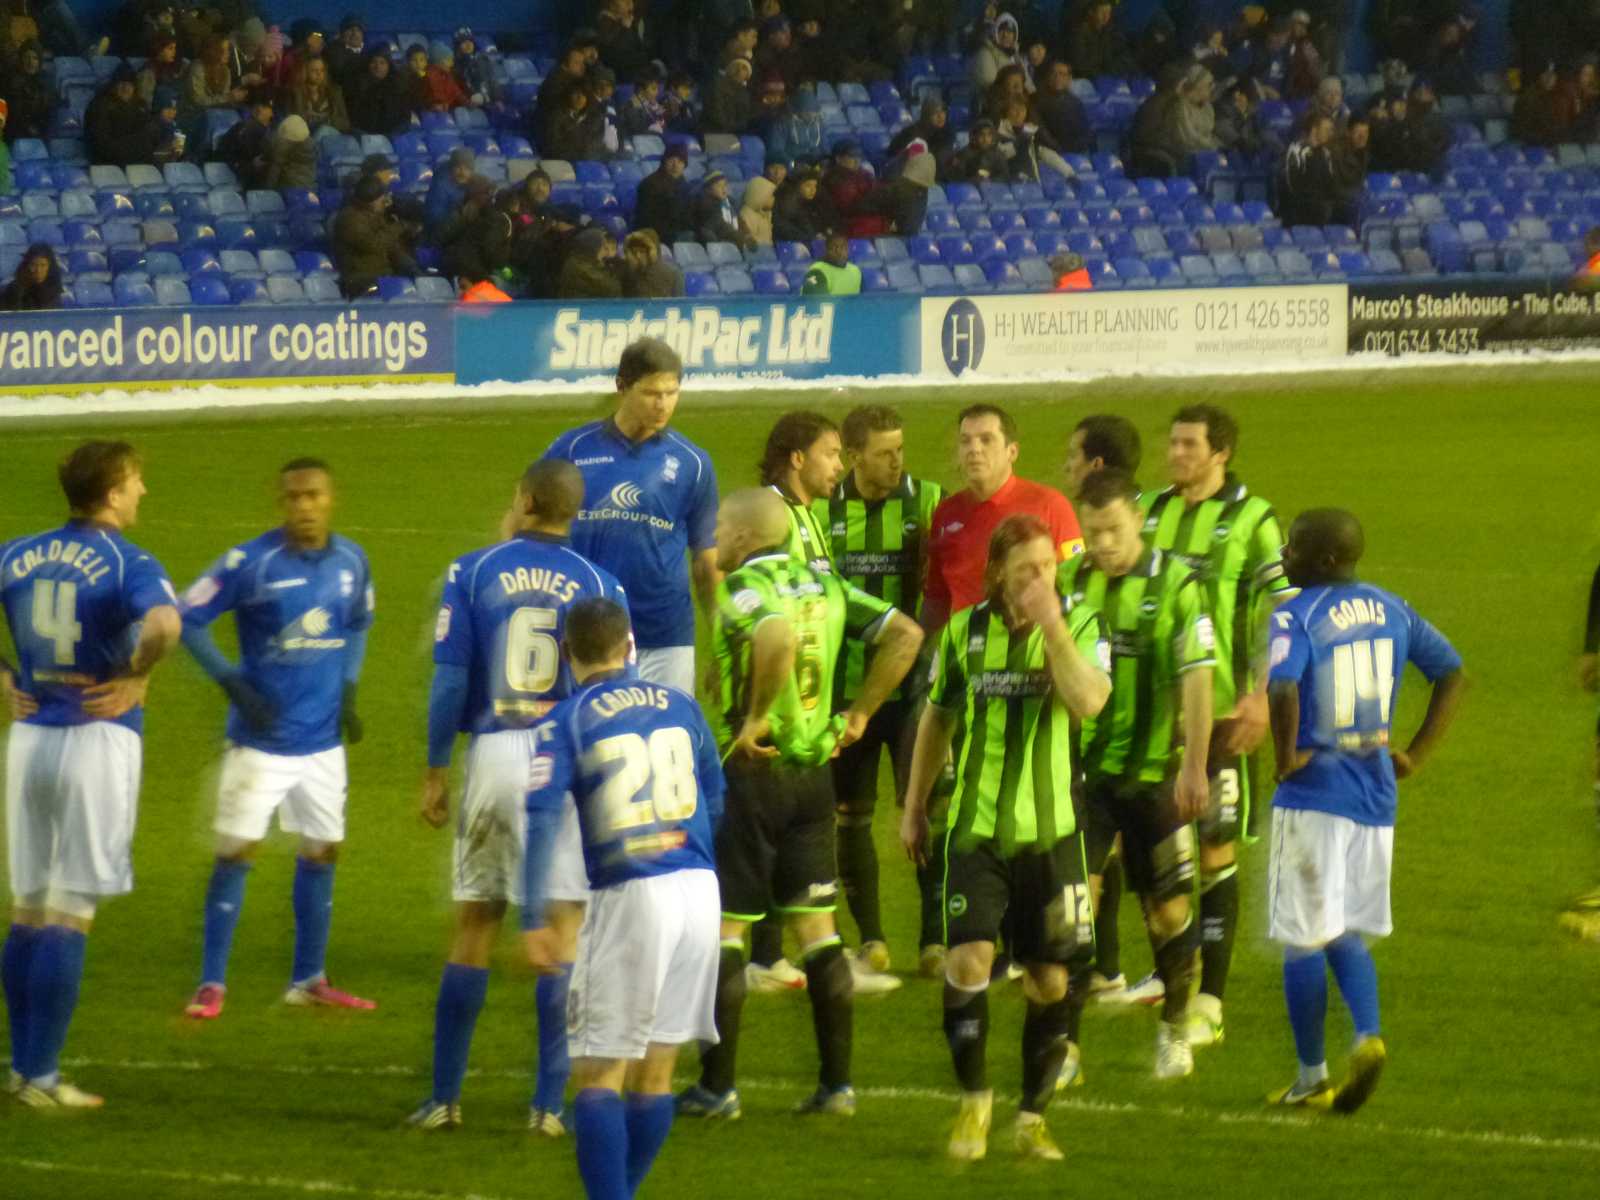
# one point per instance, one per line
(497, 671)
(90, 614)
(641, 768)
(1338, 651)
(302, 601)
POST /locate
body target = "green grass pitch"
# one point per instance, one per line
(1478, 493)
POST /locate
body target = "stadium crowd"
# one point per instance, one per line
(706, 69)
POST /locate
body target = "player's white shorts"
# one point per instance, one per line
(647, 966)
(492, 827)
(307, 791)
(72, 798)
(1328, 876)
(671, 665)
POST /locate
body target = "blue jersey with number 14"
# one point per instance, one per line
(503, 613)
(641, 764)
(1346, 646)
(74, 598)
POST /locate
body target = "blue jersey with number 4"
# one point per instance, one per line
(503, 613)
(645, 505)
(1346, 646)
(296, 612)
(74, 598)
(641, 764)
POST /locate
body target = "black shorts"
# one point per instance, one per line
(1158, 849)
(855, 772)
(1043, 896)
(775, 846)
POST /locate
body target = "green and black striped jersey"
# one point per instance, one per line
(808, 536)
(822, 609)
(1014, 765)
(1233, 540)
(1158, 617)
(881, 547)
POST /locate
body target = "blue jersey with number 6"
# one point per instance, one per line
(642, 767)
(1346, 646)
(74, 597)
(503, 613)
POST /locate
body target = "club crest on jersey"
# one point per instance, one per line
(1220, 533)
(669, 469)
(1148, 606)
(957, 905)
(347, 583)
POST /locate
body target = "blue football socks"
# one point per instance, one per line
(550, 995)
(649, 1120)
(461, 993)
(1305, 988)
(53, 979)
(313, 916)
(1357, 976)
(16, 959)
(601, 1131)
(224, 901)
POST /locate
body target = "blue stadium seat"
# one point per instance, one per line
(163, 262)
(1229, 267)
(941, 220)
(734, 281)
(874, 279)
(48, 231)
(1262, 267)
(1165, 271)
(88, 264)
(133, 290)
(198, 261)
(226, 202)
(240, 263)
(311, 262)
(724, 254)
(65, 176)
(29, 150)
(171, 290)
(184, 177)
(1293, 264)
(285, 289)
(396, 289)
(903, 277)
(1133, 270)
(1020, 245)
(435, 289)
(1035, 275)
(984, 246)
(322, 288)
(970, 277)
(691, 256)
(412, 145)
(37, 205)
(1198, 270)
(973, 219)
(109, 203)
(1006, 220)
(220, 175)
(1308, 238)
(246, 289)
(770, 281)
(937, 279)
(82, 235)
(274, 261)
(92, 293)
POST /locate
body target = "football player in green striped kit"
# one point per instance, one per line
(1013, 672)
(1232, 538)
(877, 521)
(1144, 755)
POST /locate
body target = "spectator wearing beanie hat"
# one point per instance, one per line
(365, 241)
(347, 56)
(441, 91)
(121, 131)
(663, 198)
(449, 186)
(474, 70)
(291, 156)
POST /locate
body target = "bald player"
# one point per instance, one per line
(1338, 651)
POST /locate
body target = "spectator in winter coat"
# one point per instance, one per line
(1448, 61)
(644, 275)
(120, 130)
(379, 102)
(799, 213)
(644, 112)
(576, 132)
(308, 42)
(715, 218)
(571, 72)
(1238, 126)
(245, 147)
(449, 187)
(846, 183)
(1032, 149)
(476, 241)
(588, 273)
(441, 91)
(211, 83)
(980, 159)
(474, 70)
(291, 156)
(1330, 103)
(28, 95)
(1306, 188)
(37, 283)
(683, 109)
(366, 242)
(998, 49)
(897, 207)
(1429, 131)
(1060, 113)
(163, 68)
(347, 56)
(776, 56)
(318, 99)
(1349, 154)
(797, 136)
(1095, 46)
(730, 108)
(755, 213)
(621, 47)
(1306, 68)
(1009, 86)
(931, 128)
(663, 203)
(1539, 116)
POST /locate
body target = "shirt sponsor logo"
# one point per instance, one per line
(626, 495)
(309, 633)
(747, 601)
(1010, 685)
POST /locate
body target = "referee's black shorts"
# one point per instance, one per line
(775, 848)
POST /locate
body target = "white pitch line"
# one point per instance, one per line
(1108, 1108)
(274, 1183)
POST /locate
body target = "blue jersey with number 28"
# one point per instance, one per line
(74, 598)
(502, 616)
(1346, 646)
(641, 764)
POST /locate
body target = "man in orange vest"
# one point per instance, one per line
(1070, 273)
(484, 291)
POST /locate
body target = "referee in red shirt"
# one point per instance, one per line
(958, 547)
